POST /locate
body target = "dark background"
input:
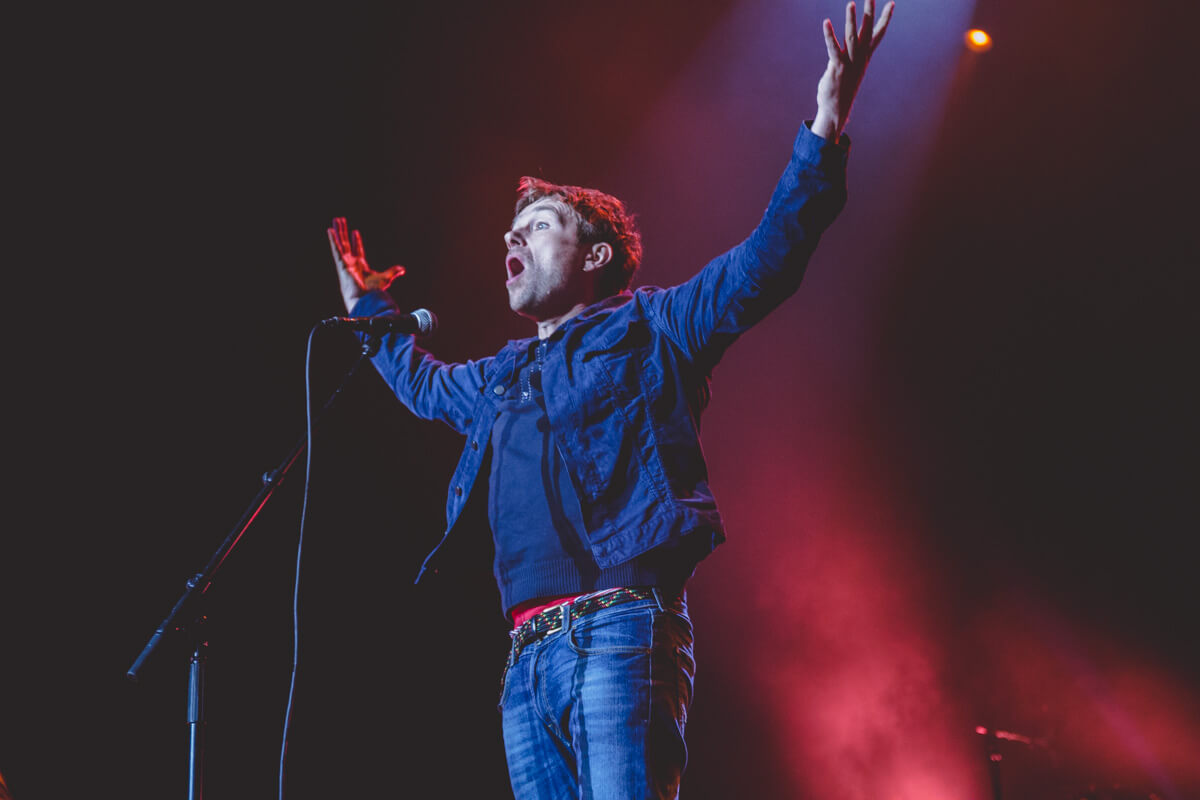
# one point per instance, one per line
(958, 468)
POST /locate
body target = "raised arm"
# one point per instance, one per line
(738, 288)
(846, 67)
(428, 387)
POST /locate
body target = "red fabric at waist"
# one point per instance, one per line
(536, 606)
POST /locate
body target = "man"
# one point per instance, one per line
(586, 440)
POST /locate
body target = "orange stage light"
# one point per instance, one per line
(978, 40)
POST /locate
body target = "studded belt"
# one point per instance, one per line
(551, 620)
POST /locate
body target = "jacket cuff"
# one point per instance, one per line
(813, 149)
(373, 304)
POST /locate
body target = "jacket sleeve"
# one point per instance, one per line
(428, 387)
(737, 289)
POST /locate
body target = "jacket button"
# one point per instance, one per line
(499, 390)
(458, 491)
(474, 445)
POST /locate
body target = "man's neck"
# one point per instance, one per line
(546, 327)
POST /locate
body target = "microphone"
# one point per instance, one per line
(421, 322)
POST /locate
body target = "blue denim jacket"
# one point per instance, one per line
(626, 385)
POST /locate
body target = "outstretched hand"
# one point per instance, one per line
(846, 67)
(355, 277)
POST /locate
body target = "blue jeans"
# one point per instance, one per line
(597, 709)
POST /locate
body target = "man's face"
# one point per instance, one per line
(545, 262)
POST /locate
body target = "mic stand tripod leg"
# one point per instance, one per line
(196, 719)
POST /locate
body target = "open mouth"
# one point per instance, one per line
(514, 266)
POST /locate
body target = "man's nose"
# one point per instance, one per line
(512, 239)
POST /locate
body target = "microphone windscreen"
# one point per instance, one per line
(426, 321)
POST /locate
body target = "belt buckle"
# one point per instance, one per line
(563, 610)
(535, 632)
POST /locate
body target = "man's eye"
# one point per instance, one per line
(540, 225)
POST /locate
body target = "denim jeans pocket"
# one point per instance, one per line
(613, 631)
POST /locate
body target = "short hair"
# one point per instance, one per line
(601, 218)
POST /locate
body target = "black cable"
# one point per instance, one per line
(308, 426)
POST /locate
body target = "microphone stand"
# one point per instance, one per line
(188, 616)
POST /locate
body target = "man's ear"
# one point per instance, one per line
(600, 254)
